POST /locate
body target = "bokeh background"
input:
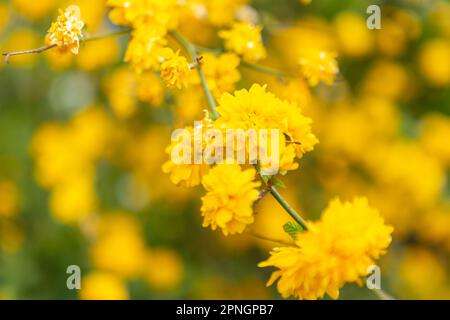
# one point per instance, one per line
(82, 142)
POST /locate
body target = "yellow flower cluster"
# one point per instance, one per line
(245, 40)
(336, 250)
(120, 232)
(65, 156)
(67, 30)
(258, 109)
(232, 191)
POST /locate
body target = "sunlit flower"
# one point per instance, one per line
(66, 31)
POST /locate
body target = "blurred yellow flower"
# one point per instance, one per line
(245, 40)
(422, 275)
(160, 14)
(219, 12)
(335, 250)
(11, 236)
(21, 39)
(74, 199)
(120, 88)
(228, 203)
(355, 39)
(387, 79)
(150, 89)
(146, 49)
(434, 61)
(99, 285)
(98, 54)
(34, 10)
(434, 136)
(163, 269)
(318, 65)
(4, 16)
(66, 32)
(119, 232)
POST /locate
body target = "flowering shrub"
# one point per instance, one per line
(146, 120)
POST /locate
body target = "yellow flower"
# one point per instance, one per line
(220, 12)
(259, 109)
(147, 49)
(120, 89)
(73, 199)
(186, 175)
(98, 54)
(161, 14)
(355, 39)
(434, 62)
(337, 249)
(100, 285)
(66, 31)
(119, 233)
(228, 203)
(164, 269)
(316, 65)
(221, 72)
(175, 70)
(245, 40)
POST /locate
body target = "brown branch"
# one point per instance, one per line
(16, 53)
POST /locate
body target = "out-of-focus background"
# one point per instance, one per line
(82, 142)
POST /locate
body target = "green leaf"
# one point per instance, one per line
(292, 229)
(278, 183)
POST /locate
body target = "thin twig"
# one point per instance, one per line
(271, 72)
(48, 47)
(16, 53)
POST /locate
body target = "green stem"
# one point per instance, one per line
(192, 51)
(288, 208)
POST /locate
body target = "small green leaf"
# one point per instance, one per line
(292, 229)
(265, 178)
(278, 183)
